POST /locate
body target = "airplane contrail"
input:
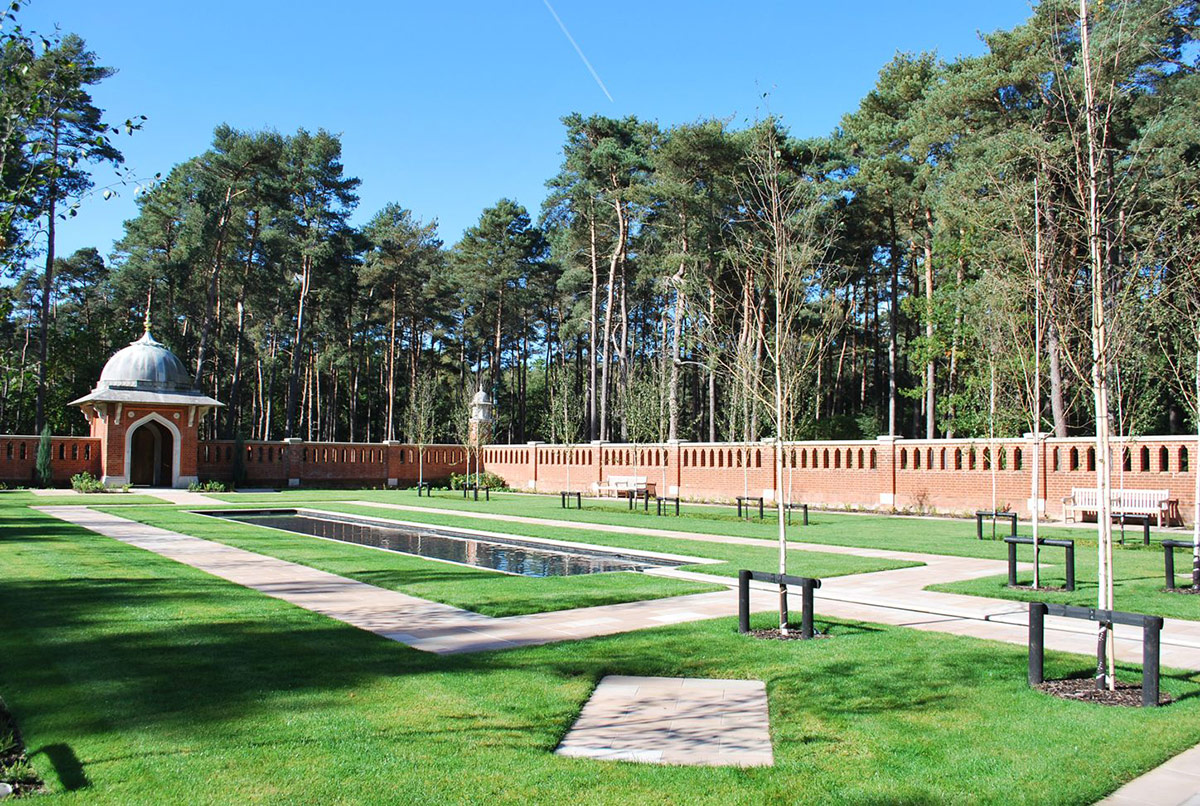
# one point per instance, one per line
(578, 50)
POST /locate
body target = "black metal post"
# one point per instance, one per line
(1169, 562)
(979, 525)
(806, 618)
(1151, 629)
(1146, 531)
(1071, 566)
(1037, 642)
(1012, 565)
(744, 601)
(1013, 518)
(805, 514)
(645, 500)
(739, 503)
(760, 509)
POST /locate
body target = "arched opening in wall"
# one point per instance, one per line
(1054, 459)
(1002, 459)
(874, 458)
(1164, 459)
(837, 460)
(958, 458)
(803, 458)
(684, 458)
(825, 460)
(703, 459)
(739, 458)
(1091, 459)
(1018, 459)
(987, 458)
(904, 458)
(720, 458)
(1183, 460)
(917, 459)
(860, 458)
(1126, 460)
(1144, 463)
(151, 454)
(929, 458)
(729, 458)
(1073, 463)
(942, 460)
(971, 459)
(758, 458)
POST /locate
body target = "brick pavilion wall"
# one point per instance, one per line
(295, 463)
(68, 456)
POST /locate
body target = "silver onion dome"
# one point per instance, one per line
(145, 364)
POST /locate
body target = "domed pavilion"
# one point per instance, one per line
(145, 411)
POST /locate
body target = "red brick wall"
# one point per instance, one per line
(915, 475)
(326, 464)
(919, 475)
(68, 456)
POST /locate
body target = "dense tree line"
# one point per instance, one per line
(899, 275)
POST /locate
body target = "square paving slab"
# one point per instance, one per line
(674, 720)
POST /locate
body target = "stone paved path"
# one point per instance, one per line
(1176, 783)
(673, 720)
(183, 498)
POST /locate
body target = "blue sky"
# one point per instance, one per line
(447, 107)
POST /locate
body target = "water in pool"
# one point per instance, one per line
(512, 556)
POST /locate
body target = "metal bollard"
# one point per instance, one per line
(743, 601)
(1037, 645)
(1151, 630)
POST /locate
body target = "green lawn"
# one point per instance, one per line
(1138, 569)
(485, 591)
(1138, 585)
(16, 498)
(139, 680)
(931, 536)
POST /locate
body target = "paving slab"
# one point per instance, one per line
(673, 720)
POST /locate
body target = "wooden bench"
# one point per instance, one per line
(626, 486)
(1156, 503)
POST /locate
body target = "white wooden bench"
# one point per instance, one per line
(1156, 503)
(621, 486)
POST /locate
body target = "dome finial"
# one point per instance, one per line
(149, 300)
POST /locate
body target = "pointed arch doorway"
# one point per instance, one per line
(153, 454)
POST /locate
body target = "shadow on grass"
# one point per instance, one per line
(66, 766)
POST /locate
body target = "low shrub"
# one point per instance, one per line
(486, 479)
(85, 482)
(210, 486)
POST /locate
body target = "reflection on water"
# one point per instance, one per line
(514, 557)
